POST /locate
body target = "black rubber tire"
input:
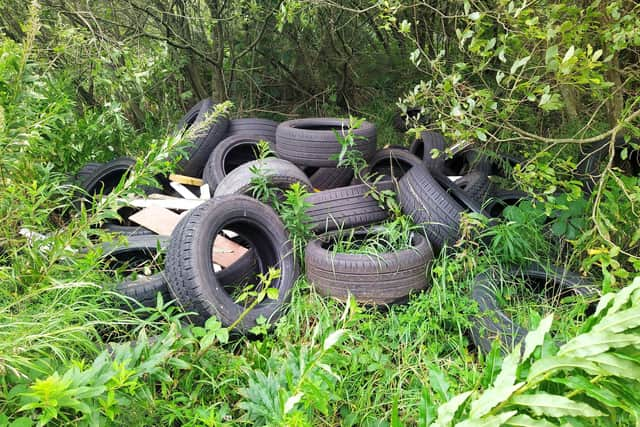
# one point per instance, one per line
(311, 142)
(430, 206)
(145, 289)
(263, 128)
(500, 199)
(457, 193)
(588, 169)
(281, 174)
(328, 178)
(136, 250)
(476, 185)
(128, 230)
(241, 272)
(392, 163)
(422, 147)
(86, 171)
(400, 119)
(189, 268)
(382, 279)
(493, 323)
(228, 155)
(199, 148)
(105, 177)
(345, 207)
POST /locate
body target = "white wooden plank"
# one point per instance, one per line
(183, 191)
(205, 192)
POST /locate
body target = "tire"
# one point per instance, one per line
(280, 173)
(493, 323)
(262, 128)
(588, 169)
(476, 185)
(422, 147)
(136, 251)
(328, 178)
(392, 163)
(105, 177)
(430, 206)
(501, 199)
(345, 207)
(400, 119)
(382, 279)
(311, 142)
(128, 230)
(228, 155)
(200, 146)
(189, 268)
(86, 171)
(145, 289)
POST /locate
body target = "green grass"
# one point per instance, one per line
(324, 363)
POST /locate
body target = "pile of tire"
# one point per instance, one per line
(433, 190)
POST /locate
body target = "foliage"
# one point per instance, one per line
(590, 379)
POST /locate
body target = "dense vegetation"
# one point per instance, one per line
(90, 81)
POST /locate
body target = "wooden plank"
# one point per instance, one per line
(183, 191)
(205, 192)
(186, 180)
(157, 219)
(173, 203)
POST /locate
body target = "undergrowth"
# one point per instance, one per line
(323, 363)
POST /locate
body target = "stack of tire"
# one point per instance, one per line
(306, 151)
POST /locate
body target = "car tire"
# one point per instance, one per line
(493, 323)
(262, 128)
(199, 148)
(313, 142)
(346, 207)
(228, 155)
(430, 206)
(280, 173)
(189, 268)
(381, 279)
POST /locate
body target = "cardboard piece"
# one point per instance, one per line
(157, 219)
(163, 221)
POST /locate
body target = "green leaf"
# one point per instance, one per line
(594, 343)
(332, 339)
(502, 389)
(519, 63)
(523, 420)
(553, 405)
(569, 54)
(535, 338)
(272, 293)
(490, 421)
(447, 411)
(598, 392)
(438, 382)
(612, 364)
(548, 364)
(620, 321)
(550, 54)
(291, 402)
(622, 297)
